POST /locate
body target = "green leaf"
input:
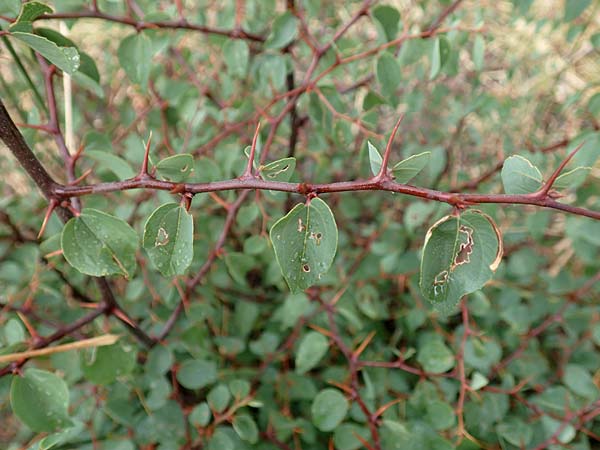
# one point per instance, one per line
(410, 167)
(344, 436)
(375, 159)
(218, 398)
(578, 380)
(388, 73)
(200, 415)
(440, 415)
(169, 239)
(32, 10)
(284, 31)
(564, 432)
(176, 168)
(40, 400)
(388, 17)
(135, 56)
(98, 244)
(221, 441)
(236, 54)
(595, 40)
(328, 409)
(117, 165)
(574, 8)
(405, 170)
(519, 176)
(103, 365)
(310, 351)
(305, 242)
(479, 52)
(516, 432)
(572, 179)
(280, 170)
(439, 56)
(239, 388)
(196, 373)
(245, 427)
(65, 58)
(435, 356)
(10, 8)
(13, 332)
(460, 255)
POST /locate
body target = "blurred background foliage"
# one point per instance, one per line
(248, 365)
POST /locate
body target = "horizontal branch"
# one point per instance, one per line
(152, 25)
(455, 199)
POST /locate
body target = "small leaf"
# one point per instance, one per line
(579, 380)
(135, 56)
(478, 52)
(572, 179)
(40, 400)
(388, 17)
(439, 56)
(280, 170)
(176, 168)
(196, 373)
(519, 176)
(285, 30)
(435, 356)
(169, 239)
(236, 55)
(103, 365)
(200, 415)
(574, 8)
(310, 351)
(460, 255)
(32, 10)
(65, 58)
(245, 428)
(328, 409)
(409, 168)
(98, 244)
(375, 158)
(218, 398)
(305, 242)
(388, 73)
(117, 165)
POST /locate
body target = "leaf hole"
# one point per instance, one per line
(306, 268)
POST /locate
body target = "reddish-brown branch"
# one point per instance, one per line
(152, 25)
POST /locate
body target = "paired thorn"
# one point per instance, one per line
(383, 171)
(543, 191)
(144, 169)
(248, 171)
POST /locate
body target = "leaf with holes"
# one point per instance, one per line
(40, 400)
(520, 176)
(98, 244)
(176, 168)
(169, 239)
(280, 170)
(305, 242)
(460, 255)
(405, 170)
(31, 11)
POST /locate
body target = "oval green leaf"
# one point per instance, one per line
(65, 58)
(310, 351)
(98, 244)
(460, 255)
(246, 428)
(285, 30)
(305, 242)
(169, 239)
(439, 56)
(329, 409)
(410, 167)
(40, 400)
(103, 365)
(520, 176)
(176, 168)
